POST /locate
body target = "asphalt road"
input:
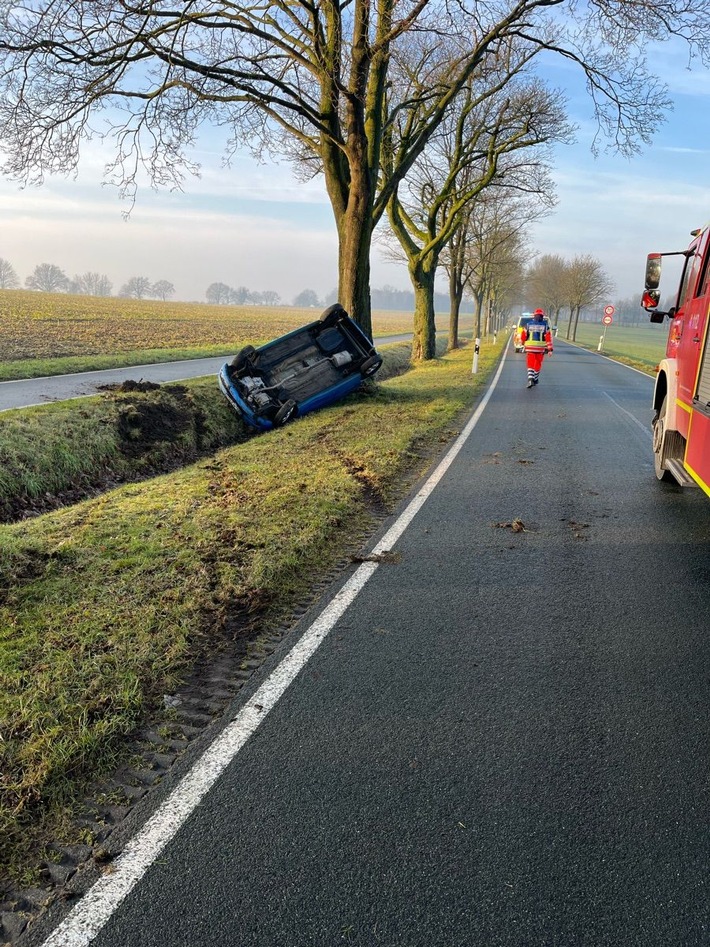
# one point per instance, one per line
(505, 739)
(32, 391)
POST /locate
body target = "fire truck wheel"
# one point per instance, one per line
(659, 427)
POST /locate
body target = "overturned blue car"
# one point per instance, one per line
(307, 369)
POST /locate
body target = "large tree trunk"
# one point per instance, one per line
(455, 297)
(422, 272)
(576, 320)
(477, 308)
(569, 324)
(424, 341)
(352, 207)
(354, 269)
(457, 256)
(349, 181)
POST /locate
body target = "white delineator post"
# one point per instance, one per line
(476, 350)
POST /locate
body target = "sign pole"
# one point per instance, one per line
(607, 320)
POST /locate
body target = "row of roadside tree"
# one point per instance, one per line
(434, 117)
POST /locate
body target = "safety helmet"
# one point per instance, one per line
(539, 312)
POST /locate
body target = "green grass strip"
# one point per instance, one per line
(641, 347)
(71, 447)
(72, 364)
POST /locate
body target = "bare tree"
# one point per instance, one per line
(495, 250)
(494, 134)
(91, 284)
(163, 289)
(547, 285)
(48, 278)
(270, 298)
(586, 283)
(8, 276)
(306, 298)
(504, 274)
(218, 293)
(306, 79)
(137, 287)
(239, 296)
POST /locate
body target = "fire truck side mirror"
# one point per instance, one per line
(653, 271)
(649, 301)
(650, 298)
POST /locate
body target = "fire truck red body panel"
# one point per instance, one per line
(682, 393)
(698, 450)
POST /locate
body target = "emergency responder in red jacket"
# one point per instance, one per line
(537, 340)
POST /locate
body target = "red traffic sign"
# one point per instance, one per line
(607, 320)
(609, 310)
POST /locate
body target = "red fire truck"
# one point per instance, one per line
(681, 399)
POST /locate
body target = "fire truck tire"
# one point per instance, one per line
(660, 446)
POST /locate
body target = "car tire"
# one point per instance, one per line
(242, 357)
(333, 314)
(370, 366)
(285, 413)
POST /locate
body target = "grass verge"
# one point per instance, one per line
(104, 606)
(54, 454)
(71, 364)
(641, 347)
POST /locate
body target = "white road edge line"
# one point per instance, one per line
(607, 358)
(95, 908)
(629, 415)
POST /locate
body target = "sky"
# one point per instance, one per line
(254, 225)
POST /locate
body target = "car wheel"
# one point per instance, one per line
(333, 314)
(242, 357)
(285, 413)
(370, 366)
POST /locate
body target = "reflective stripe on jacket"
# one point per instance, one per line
(537, 336)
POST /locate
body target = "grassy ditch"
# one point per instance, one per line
(106, 605)
(55, 454)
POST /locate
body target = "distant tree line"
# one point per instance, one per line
(555, 284)
(49, 278)
(403, 300)
(627, 312)
(220, 294)
(387, 297)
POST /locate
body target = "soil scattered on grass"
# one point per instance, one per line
(143, 422)
(157, 429)
(130, 385)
